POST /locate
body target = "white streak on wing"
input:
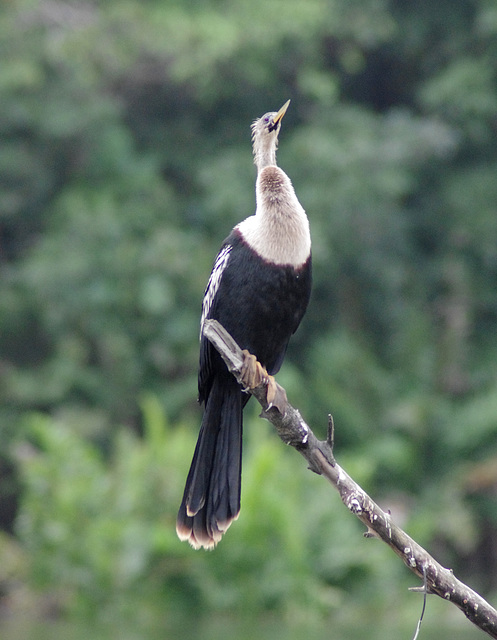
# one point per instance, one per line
(214, 282)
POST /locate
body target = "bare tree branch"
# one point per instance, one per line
(319, 454)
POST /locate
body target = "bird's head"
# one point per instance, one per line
(265, 136)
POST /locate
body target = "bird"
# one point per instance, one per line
(259, 290)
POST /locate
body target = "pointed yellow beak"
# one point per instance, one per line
(281, 112)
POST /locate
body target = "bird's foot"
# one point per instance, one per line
(254, 374)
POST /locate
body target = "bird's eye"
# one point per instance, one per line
(266, 119)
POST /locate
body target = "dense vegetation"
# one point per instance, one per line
(125, 160)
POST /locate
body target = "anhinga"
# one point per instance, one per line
(258, 290)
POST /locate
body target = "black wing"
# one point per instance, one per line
(207, 353)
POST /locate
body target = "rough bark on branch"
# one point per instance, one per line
(319, 454)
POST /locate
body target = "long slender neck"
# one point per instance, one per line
(279, 231)
(265, 151)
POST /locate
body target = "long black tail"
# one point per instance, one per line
(211, 500)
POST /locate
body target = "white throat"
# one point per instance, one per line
(279, 230)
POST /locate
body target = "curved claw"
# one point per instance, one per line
(276, 396)
(254, 374)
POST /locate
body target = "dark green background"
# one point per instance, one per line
(125, 160)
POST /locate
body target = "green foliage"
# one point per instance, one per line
(125, 160)
(101, 529)
(94, 527)
(98, 534)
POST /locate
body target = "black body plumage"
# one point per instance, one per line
(260, 302)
